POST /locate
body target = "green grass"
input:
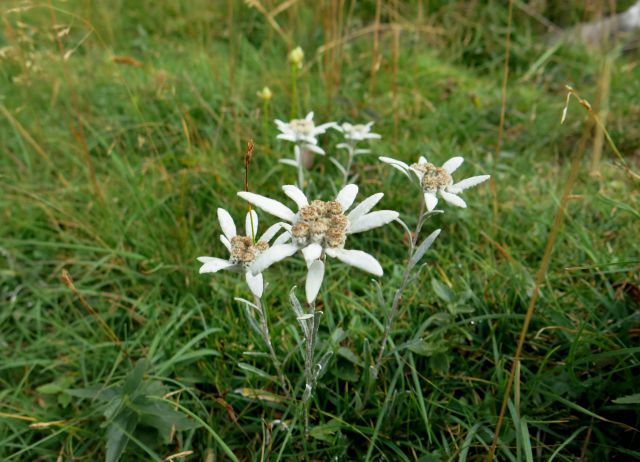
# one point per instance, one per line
(166, 141)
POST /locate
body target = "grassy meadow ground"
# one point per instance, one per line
(115, 158)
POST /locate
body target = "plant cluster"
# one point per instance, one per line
(320, 228)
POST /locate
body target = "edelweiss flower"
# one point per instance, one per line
(303, 132)
(358, 132)
(437, 180)
(321, 228)
(243, 249)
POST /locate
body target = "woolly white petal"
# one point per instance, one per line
(271, 206)
(431, 200)
(255, 283)
(225, 242)
(312, 252)
(309, 116)
(347, 195)
(364, 206)
(272, 255)
(281, 124)
(468, 183)
(226, 223)
(213, 264)
(282, 239)
(270, 232)
(251, 229)
(452, 164)
(372, 220)
(358, 259)
(314, 280)
(287, 137)
(453, 199)
(422, 160)
(320, 129)
(296, 195)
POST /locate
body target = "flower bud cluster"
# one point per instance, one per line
(321, 222)
(245, 251)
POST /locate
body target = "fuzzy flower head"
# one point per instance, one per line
(303, 132)
(243, 250)
(437, 181)
(321, 228)
(357, 132)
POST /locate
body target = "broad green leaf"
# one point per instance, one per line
(439, 362)
(630, 399)
(134, 379)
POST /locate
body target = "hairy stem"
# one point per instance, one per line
(309, 354)
(347, 169)
(266, 337)
(300, 166)
(403, 285)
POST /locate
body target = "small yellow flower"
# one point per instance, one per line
(265, 94)
(296, 56)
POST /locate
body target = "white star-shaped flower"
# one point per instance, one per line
(303, 132)
(321, 228)
(357, 132)
(436, 181)
(243, 250)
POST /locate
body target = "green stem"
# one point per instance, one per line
(294, 91)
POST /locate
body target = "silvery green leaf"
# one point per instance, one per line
(301, 316)
(307, 393)
(338, 165)
(442, 291)
(295, 304)
(321, 367)
(252, 320)
(255, 354)
(422, 248)
(248, 303)
(379, 293)
(254, 370)
(290, 162)
(338, 335)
